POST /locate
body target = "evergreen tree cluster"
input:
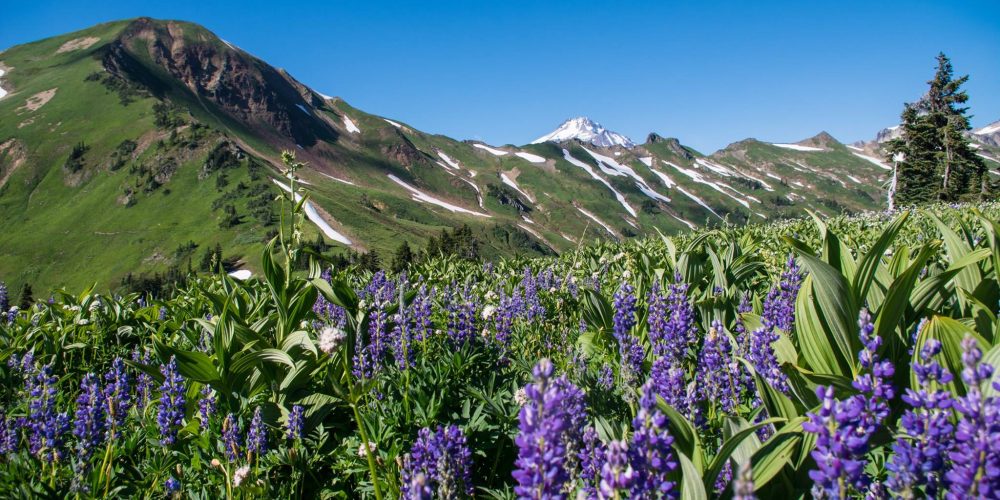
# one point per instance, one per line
(933, 156)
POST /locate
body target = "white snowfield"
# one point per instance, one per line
(855, 148)
(599, 221)
(647, 160)
(667, 181)
(447, 159)
(615, 168)
(526, 219)
(445, 167)
(590, 170)
(324, 96)
(3, 93)
(686, 192)
(303, 108)
(314, 216)
(853, 178)
(987, 130)
(394, 124)
(479, 194)
(586, 130)
(494, 151)
(687, 222)
(510, 182)
(775, 177)
(532, 231)
(990, 158)
(530, 157)
(697, 177)
(338, 179)
(426, 198)
(873, 160)
(242, 274)
(351, 126)
(797, 147)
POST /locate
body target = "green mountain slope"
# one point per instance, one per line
(138, 145)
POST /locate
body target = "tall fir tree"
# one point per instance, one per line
(937, 161)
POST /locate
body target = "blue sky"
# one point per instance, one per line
(709, 73)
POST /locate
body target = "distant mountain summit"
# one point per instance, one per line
(586, 130)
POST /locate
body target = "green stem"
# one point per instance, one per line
(368, 451)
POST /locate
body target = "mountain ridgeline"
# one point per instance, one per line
(145, 146)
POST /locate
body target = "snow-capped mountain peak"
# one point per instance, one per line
(586, 130)
(989, 129)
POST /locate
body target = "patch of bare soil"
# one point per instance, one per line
(38, 100)
(78, 44)
(12, 156)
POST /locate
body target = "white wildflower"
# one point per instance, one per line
(240, 475)
(331, 338)
(363, 450)
(488, 311)
(521, 397)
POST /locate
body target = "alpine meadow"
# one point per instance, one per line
(217, 282)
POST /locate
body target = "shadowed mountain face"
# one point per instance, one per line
(140, 144)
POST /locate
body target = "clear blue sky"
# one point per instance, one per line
(509, 71)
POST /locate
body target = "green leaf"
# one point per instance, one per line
(190, 364)
(950, 333)
(692, 487)
(827, 314)
(727, 448)
(870, 263)
(684, 433)
(776, 453)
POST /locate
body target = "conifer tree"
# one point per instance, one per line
(403, 257)
(937, 161)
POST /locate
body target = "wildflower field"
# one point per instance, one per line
(842, 358)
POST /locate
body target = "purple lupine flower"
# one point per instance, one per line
(172, 485)
(591, 458)
(617, 475)
(843, 428)
(926, 434)
(412, 324)
(533, 308)
(257, 434)
(144, 383)
(10, 434)
(677, 337)
(651, 454)
(554, 406)
(670, 384)
(163, 313)
(509, 307)
(439, 465)
(875, 381)
(630, 351)
(46, 426)
(206, 407)
(90, 421)
(461, 310)
(117, 396)
(296, 422)
(743, 487)
(778, 313)
(606, 378)
(170, 415)
(232, 439)
(718, 376)
(369, 355)
(724, 478)
(420, 313)
(975, 457)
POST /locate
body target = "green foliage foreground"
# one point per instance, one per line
(217, 373)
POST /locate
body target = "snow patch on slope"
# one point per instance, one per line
(3, 93)
(599, 221)
(510, 182)
(338, 179)
(797, 147)
(987, 130)
(624, 170)
(394, 124)
(351, 126)
(647, 160)
(314, 216)
(426, 198)
(874, 160)
(447, 159)
(303, 108)
(496, 152)
(530, 157)
(621, 199)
